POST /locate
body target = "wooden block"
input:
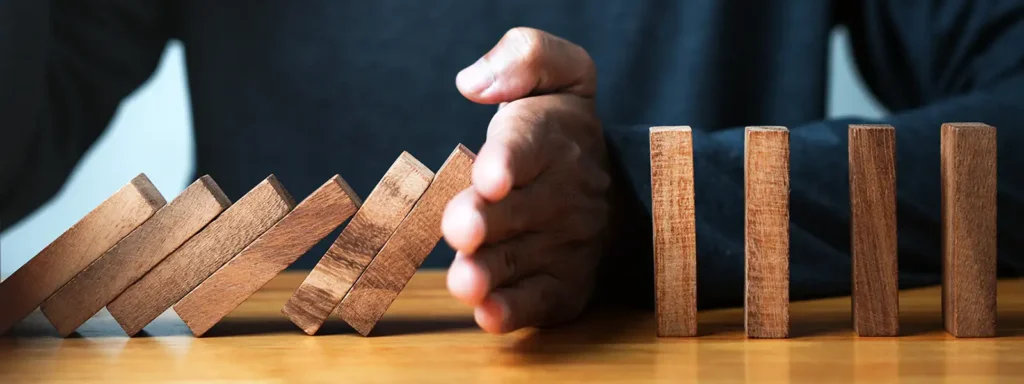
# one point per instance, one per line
(200, 256)
(969, 229)
(875, 298)
(313, 219)
(675, 238)
(386, 276)
(135, 255)
(767, 232)
(328, 282)
(76, 248)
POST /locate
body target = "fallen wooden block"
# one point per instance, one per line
(675, 239)
(133, 256)
(313, 219)
(76, 248)
(875, 297)
(969, 229)
(767, 232)
(408, 247)
(385, 207)
(200, 256)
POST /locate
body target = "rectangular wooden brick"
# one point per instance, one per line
(76, 248)
(312, 220)
(408, 247)
(200, 256)
(969, 186)
(767, 232)
(675, 238)
(135, 255)
(385, 207)
(873, 247)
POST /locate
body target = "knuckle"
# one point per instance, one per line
(528, 44)
(507, 258)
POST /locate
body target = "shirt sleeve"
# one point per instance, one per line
(929, 63)
(65, 66)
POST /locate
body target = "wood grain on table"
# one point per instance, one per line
(429, 336)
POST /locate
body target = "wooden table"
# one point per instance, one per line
(427, 336)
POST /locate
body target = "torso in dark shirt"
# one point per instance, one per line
(309, 89)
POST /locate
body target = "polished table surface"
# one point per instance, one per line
(428, 336)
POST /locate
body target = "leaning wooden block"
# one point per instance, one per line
(875, 297)
(201, 255)
(408, 247)
(76, 248)
(135, 255)
(969, 229)
(388, 203)
(675, 239)
(313, 219)
(767, 232)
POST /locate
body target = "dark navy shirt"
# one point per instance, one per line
(309, 89)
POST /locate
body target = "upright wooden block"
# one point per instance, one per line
(408, 247)
(875, 298)
(135, 255)
(388, 203)
(313, 219)
(76, 248)
(200, 256)
(675, 238)
(969, 229)
(767, 232)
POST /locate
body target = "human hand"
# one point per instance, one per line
(529, 232)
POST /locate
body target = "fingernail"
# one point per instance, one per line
(476, 78)
(494, 181)
(506, 312)
(459, 279)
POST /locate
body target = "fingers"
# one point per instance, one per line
(524, 138)
(469, 221)
(526, 62)
(538, 300)
(472, 277)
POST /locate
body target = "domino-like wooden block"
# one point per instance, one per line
(767, 232)
(675, 238)
(133, 256)
(875, 297)
(313, 219)
(389, 202)
(969, 229)
(386, 276)
(200, 256)
(76, 248)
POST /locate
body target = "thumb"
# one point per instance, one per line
(528, 62)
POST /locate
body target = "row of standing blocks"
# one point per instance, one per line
(138, 255)
(968, 180)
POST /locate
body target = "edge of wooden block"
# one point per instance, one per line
(767, 128)
(281, 191)
(148, 191)
(347, 189)
(215, 190)
(677, 128)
